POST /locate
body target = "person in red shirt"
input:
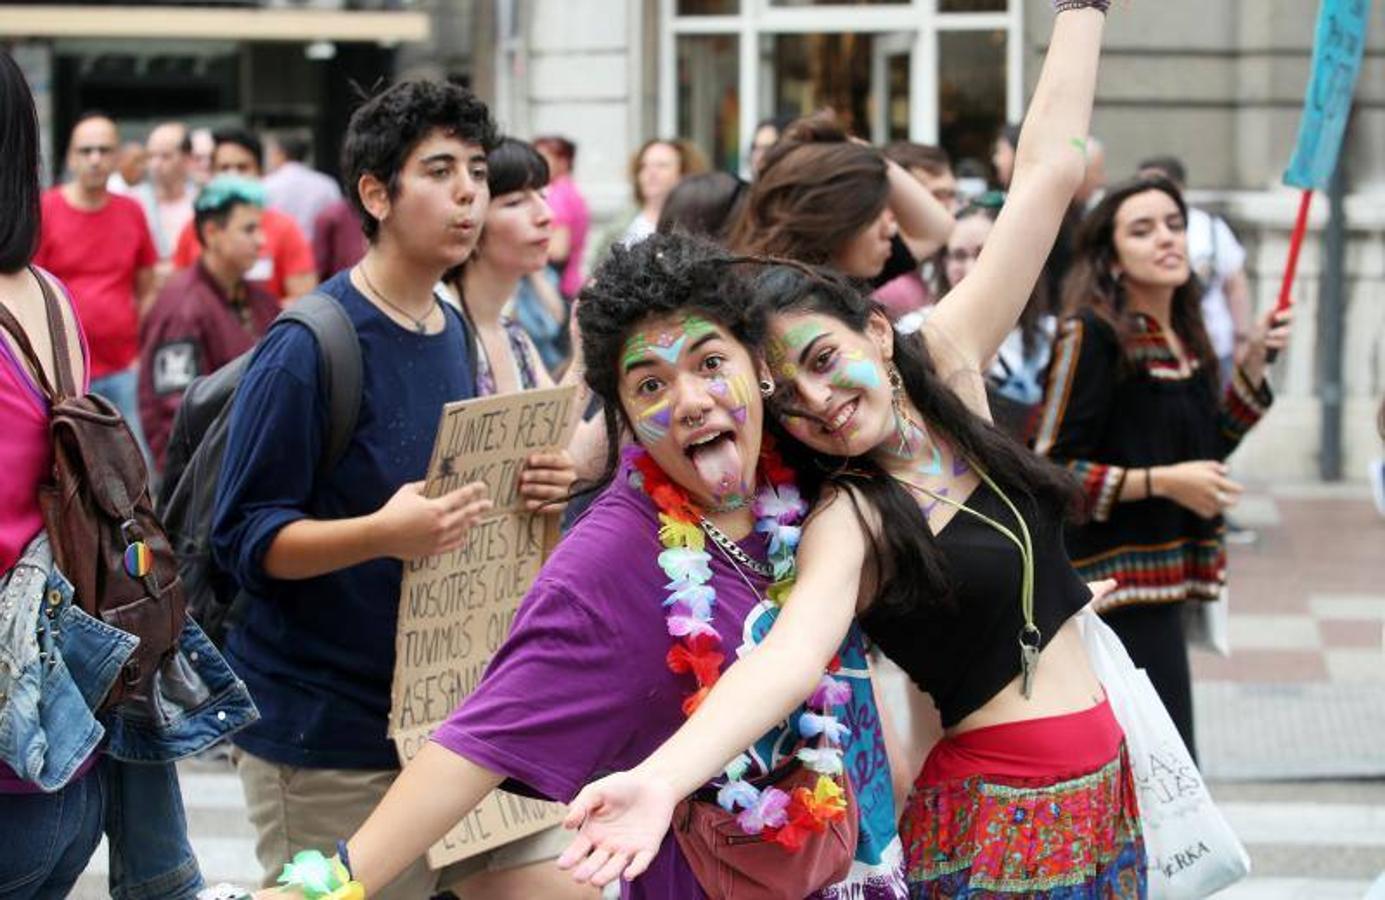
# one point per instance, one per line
(98, 244)
(286, 267)
(207, 314)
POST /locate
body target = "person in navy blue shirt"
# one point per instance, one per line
(319, 554)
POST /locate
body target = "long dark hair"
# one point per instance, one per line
(19, 185)
(903, 542)
(814, 192)
(1091, 285)
(665, 273)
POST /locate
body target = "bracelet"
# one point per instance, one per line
(345, 858)
(1149, 482)
(1101, 6)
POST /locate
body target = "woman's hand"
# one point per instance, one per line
(547, 477)
(620, 820)
(1201, 486)
(1272, 332)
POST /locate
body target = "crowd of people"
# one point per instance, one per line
(841, 411)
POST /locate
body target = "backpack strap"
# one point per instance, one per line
(62, 361)
(339, 366)
(62, 364)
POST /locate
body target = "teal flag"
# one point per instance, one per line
(1337, 51)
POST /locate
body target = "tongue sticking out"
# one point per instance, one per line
(719, 465)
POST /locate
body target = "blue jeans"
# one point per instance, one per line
(46, 840)
(122, 389)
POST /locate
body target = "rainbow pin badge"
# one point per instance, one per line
(139, 560)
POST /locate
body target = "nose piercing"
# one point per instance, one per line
(693, 421)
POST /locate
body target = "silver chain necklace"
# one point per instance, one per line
(420, 325)
(733, 550)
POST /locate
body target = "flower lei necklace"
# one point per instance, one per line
(782, 818)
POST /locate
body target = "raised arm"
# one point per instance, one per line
(624, 816)
(1049, 165)
(924, 223)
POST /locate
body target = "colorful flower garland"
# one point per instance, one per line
(782, 818)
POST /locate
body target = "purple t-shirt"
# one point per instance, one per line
(581, 689)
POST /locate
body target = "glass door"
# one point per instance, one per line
(890, 75)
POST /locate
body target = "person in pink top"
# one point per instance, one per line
(571, 218)
(49, 836)
(98, 243)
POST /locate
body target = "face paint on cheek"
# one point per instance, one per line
(737, 391)
(654, 422)
(855, 372)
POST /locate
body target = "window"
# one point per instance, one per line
(709, 96)
(971, 92)
(934, 71)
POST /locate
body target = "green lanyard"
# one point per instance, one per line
(1030, 637)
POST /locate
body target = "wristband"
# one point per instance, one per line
(1149, 482)
(1065, 5)
(345, 858)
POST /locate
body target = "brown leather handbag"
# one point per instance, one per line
(732, 865)
(100, 520)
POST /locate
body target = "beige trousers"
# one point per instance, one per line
(296, 809)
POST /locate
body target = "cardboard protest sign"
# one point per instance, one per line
(1337, 51)
(455, 609)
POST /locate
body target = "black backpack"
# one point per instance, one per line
(198, 443)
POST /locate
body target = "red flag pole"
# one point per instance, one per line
(1286, 289)
(1295, 246)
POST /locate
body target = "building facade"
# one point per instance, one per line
(1218, 83)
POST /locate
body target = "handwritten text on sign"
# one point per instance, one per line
(1337, 51)
(455, 609)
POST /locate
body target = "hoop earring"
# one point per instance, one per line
(766, 388)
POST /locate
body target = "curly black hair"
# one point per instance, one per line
(903, 542)
(386, 129)
(665, 273)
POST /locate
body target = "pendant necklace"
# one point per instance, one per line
(420, 325)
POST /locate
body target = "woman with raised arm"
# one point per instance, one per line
(1135, 409)
(663, 580)
(945, 538)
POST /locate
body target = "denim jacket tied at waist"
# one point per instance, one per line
(57, 663)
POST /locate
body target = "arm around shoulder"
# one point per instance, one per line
(766, 685)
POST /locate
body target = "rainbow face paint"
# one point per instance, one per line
(851, 371)
(654, 421)
(668, 344)
(735, 392)
(782, 353)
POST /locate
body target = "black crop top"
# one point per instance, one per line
(962, 656)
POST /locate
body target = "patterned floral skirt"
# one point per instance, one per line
(1028, 835)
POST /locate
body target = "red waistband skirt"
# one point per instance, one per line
(1043, 808)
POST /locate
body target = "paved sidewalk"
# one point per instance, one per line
(1303, 692)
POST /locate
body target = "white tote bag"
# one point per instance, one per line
(1192, 851)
